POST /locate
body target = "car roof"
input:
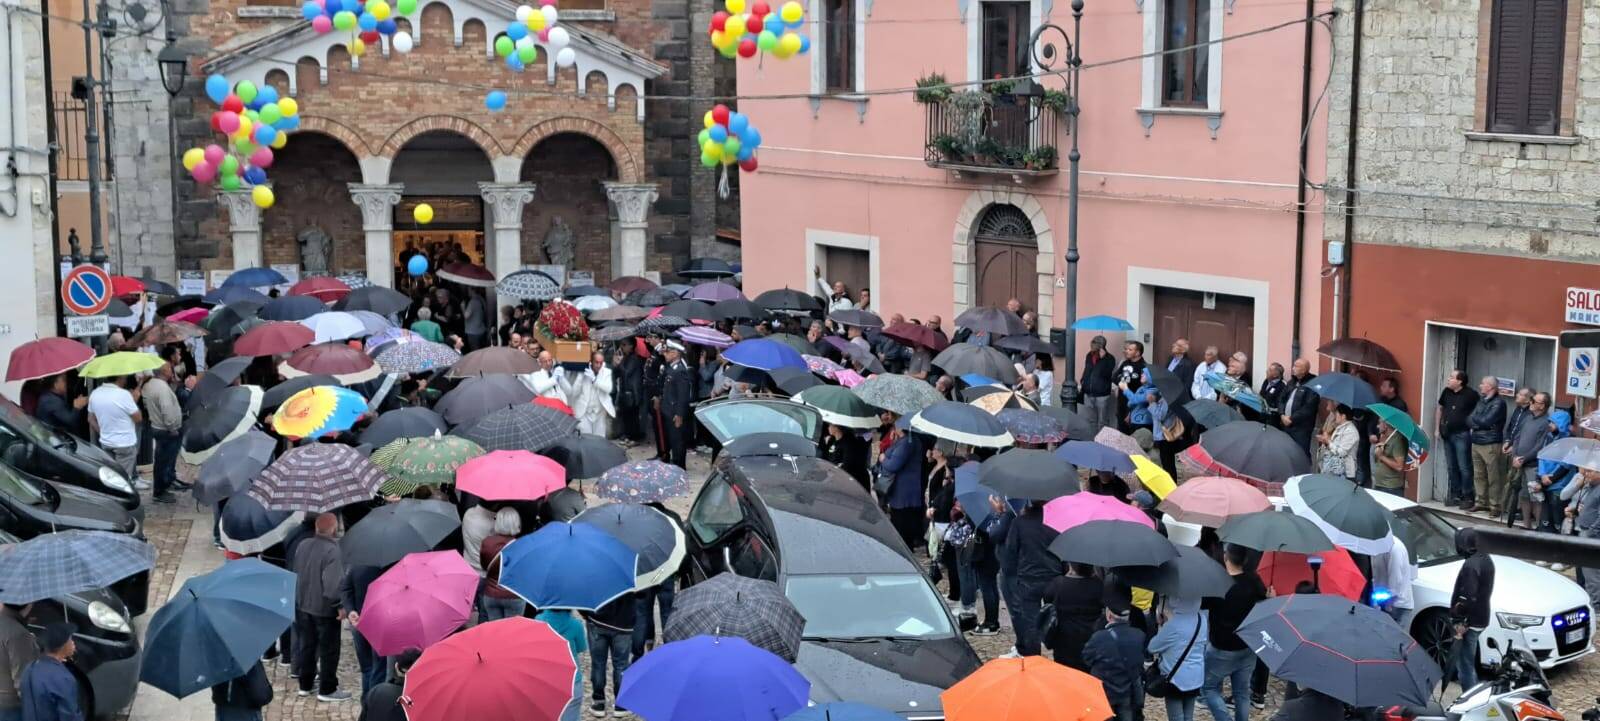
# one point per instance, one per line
(824, 520)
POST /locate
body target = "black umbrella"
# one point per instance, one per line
(579, 291)
(1112, 544)
(157, 287)
(118, 309)
(1212, 414)
(1252, 450)
(1078, 427)
(738, 309)
(1352, 652)
(292, 307)
(1274, 531)
(476, 397)
(276, 395)
(249, 528)
(651, 298)
(706, 268)
(856, 317)
(224, 322)
(215, 380)
(389, 532)
(403, 423)
(1025, 343)
(524, 426)
(1029, 473)
(962, 358)
(565, 504)
(646, 531)
(1169, 385)
(232, 414)
(690, 310)
(1344, 388)
(793, 380)
(1192, 574)
(230, 470)
(586, 456)
(787, 299)
(376, 298)
(994, 321)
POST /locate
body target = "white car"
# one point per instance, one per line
(1533, 607)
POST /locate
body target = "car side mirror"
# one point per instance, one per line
(1493, 645)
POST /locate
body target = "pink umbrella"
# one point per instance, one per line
(1080, 508)
(419, 602)
(511, 476)
(848, 379)
(190, 315)
(1211, 500)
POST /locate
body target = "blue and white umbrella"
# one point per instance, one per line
(962, 423)
(568, 565)
(420, 357)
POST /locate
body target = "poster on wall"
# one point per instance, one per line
(558, 272)
(580, 277)
(654, 276)
(219, 276)
(290, 272)
(191, 282)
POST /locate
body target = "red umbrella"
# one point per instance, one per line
(555, 404)
(468, 274)
(630, 283)
(122, 285)
(511, 668)
(46, 357)
(1361, 352)
(1211, 500)
(323, 288)
(274, 338)
(1283, 570)
(347, 365)
(917, 335)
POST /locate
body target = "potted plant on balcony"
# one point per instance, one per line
(949, 147)
(1001, 90)
(1040, 158)
(1054, 100)
(931, 89)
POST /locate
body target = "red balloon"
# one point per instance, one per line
(720, 114)
(369, 37)
(719, 21)
(233, 103)
(747, 48)
(748, 165)
(759, 8)
(214, 118)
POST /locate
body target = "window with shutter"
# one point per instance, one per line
(839, 46)
(1527, 48)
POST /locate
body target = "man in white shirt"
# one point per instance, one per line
(1210, 364)
(1394, 572)
(838, 295)
(589, 394)
(543, 381)
(114, 416)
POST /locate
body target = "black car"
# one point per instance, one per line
(34, 448)
(107, 661)
(877, 632)
(31, 506)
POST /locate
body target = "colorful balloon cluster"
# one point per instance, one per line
(729, 138)
(368, 20)
(256, 122)
(736, 32)
(519, 43)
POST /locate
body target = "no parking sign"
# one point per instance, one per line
(1581, 371)
(86, 290)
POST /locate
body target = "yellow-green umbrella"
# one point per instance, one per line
(121, 363)
(413, 462)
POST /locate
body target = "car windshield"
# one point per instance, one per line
(730, 419)
(12, 415)
(1429, 536)
(868, 606)
(21, 489)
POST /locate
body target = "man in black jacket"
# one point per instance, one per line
(628, 370)
(383, 702)
(1299, 414)
(677, 392)
(1272, 390)
(1182, 366)
(1485, 427)
(244, 697)
(1115, 655)
(653, 369)
(1469, 606)
(57, 412)
(1128, 377)
(1229, 657)
(1099, 385)
(1027, 549)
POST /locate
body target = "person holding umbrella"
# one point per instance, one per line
(1180, 650)
(243, 698)
(49, 690)
(1027, 551)
(1339, 452)
(17, 651)
(1115, 655)
(1228, 656)
(56, 411)
(497, 602)
(382, 703)
(610, 639)
(902, 462)
(115, 417)
(318, 571)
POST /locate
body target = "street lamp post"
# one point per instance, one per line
(1047, 57)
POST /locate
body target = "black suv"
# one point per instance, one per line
(30, 446)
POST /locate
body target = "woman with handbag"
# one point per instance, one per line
(1180, 650)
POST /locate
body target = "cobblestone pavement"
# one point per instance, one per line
(169, 528)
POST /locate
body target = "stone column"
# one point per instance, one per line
(377, 203)
(244, 224)
(633, 202)
(505, 201)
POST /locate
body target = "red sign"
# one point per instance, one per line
(86, 290)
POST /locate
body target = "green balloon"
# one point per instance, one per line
(269, 114)
(707, 160)
(731, 148)
(528, 54)
(503, 46)
(230, 165)
(230, 182)
(344, 20)
(252, 115)
(245, 144)
(767, 40)
(406, 7)
(729, 51)
(246, 91)
(703, 137)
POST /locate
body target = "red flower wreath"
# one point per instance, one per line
(561, 320)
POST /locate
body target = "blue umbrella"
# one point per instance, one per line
(230, 294)
(763, 354)
(1102, 322)
(1098, 456)
(962, 423)
(978, 379)
(254, 278)
(56, 564)
(217, 626)
(1344, 388)
(842, 711)
(676, 681)
(292, 307)
(973, 495)
(249, 528)
(568, 565)
(1240, 393)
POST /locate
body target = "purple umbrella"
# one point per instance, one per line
(839, 343)
(702, 335)
(751, 682)
(714, 292)
(764, 355)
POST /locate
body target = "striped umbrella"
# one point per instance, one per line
(317, 478)
(417, 358)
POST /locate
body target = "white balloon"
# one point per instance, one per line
(402, 41)
(525, 42)
(559, 37)
(523, 11)
(566, 57)
(551, 15)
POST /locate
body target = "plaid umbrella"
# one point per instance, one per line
(612, 333)
(700, 335)
(380, 300)
(317, 478)
(414, 462)
(56, 564)
(643, 482)
(234, 465)
(474, 398)
(1031, 426)
(163, 332)
(522, 427)
(898, 394)
(417, 358)
(619, 312)
(821, 366)
(529, 285)
(660, 325)
(731, 605)
(229, 416)
(467, 274)
(629, 284)
(356, 281)
(335, 359)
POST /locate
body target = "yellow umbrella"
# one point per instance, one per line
(121, 363)
(1154, 477)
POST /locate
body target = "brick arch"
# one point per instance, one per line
(338, 131)
(452, 123)
(965, 237)
(627, 167)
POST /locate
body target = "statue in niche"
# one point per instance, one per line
(559, 246)
(316, 251)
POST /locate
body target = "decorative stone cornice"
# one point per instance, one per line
(505, 201)
(376, 203)
(633, 202)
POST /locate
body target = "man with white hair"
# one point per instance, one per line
(1209, 364)
(589, 394)
(544, 382)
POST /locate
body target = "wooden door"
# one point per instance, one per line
(849, 265)
(1226, 321)
(1007, 254)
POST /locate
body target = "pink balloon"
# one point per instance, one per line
(214, 155)
(204, 173)
(544, 35)
(228, 122)
(322, 24)
(546, 2)
(262, 158)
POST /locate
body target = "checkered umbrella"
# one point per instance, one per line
(413, 462)
(522, 427)
(643, 482)
(56, 564)
(612, 333)
(317, 478)
(529, 285)
(660, 325)
(417, 358)
(732, 605)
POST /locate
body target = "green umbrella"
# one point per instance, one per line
(414, 462)
(1347, 513)
(121, 363)
(1274, 531)
(839, 406)
(1402, 422)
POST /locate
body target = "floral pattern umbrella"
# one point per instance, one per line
(643, 482)
(417, 358)
(414, 462)
(1031, 426)
(612, 333)
(821, 366)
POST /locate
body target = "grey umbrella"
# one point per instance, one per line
(1025, 343)
(525, 426)
(403, 423)
(1212, 414)
(619, 312)
(1167, 383)
(234, 465)
(380, 300)
(215, 380)
(1078, 427)
(477, 397)
(228, 417)
(1250, 450)
(65, 562)
(898, 394)
(1352, 652)
(1112, 544)
(1029, 473)
(1192, 574)
(732, 605)
(963, 358)
(586, 456)
(651, 534)
(388, 533)
(994, 321)
(292, 307)
(857, 318)
(612, 333)
(1274, 531)
(690, 310)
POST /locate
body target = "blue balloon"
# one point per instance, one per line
(805, 44)
(267, 95)
(388, 27)
(774, 23)
(745, 153)
(217, 88)
(366, 22)
(751, 138)
(514, 62)
(719, 134)
(417, 265)
(310, 11)
(516, 31)
(255, 176)
(287, 123)
(265, 134)
(738, 123)
(496, 100)
(334, 6)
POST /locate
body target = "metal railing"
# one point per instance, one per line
(979, 132)
(72, 160)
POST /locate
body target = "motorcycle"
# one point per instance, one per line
(1518, 691)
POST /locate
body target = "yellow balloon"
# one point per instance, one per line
(536, 22)
(710, 121)
(280, 141)
(246, 128)
(288, 107)
(358, 47)
(718, 39)
(788, 45)
(262, 196)
(423, 213)
(734, 6)
(712, 149)
(734, 27)
(379, 10)
(792, 12)
(193, 157)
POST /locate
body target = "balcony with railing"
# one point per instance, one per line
(72, 157)
(989, 132)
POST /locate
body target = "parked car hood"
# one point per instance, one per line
(1512, 579)
(87, 510)
(905, 677)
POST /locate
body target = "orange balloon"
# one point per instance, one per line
(1027, 689)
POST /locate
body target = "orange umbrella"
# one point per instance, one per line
(1031, 688)
(554, 404)
(1339, 575)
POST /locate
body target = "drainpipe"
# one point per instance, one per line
(1353, 144)
(1300, 185)
(52, 142)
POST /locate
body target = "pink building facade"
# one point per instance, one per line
(1189, 179)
